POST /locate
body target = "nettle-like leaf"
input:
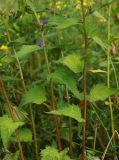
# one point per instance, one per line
(27, 50)
(7, 128)
(64, 76)
(36, 95)
(72, 111)
(25, 135)
(73, 62)
(101, 92)
(50, 153)
(11, 156)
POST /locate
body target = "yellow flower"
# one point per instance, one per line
(3, 47)
(59, 5)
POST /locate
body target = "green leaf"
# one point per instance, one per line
(50, 153)
(101, 92)
(7, 128)
(25, 135)
(72, 111)
(11, 156)
(100, 42)
(74, 62)
(27, 50)
(99, 16)
(8, 5)
(36, 95)
(67, 23)
(64, 76)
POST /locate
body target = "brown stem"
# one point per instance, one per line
(11, 112)
(84, 82)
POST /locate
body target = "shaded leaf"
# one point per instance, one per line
(26, 50)
(35, 95)
(65, 77)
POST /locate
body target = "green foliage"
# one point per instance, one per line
(26, 50)
(25, 135)
(36, 95)
(73, 62)
(101, 92)
(51, 153)
(64, 76)
(7, 128)
(71, 111)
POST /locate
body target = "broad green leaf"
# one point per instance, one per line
(50, 153)
(25, 135)
(74, 62)
(99, 16)
(101, 92)
(64, 76)
(7, 128)
(67, 23)
(36, 95)
(100, 42)
(26, 50)
(72, 111)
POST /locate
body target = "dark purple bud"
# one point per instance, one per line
(44, 21)
(40, 44)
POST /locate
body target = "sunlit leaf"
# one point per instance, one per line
(72, 111)
(101, 92)
(7, 128)
(74, 62)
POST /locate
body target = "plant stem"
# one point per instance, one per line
(108, 67)
(58, 139)
(84, 81)
(11, 112)
(34, 133)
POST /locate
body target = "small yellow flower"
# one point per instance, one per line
(59, 5)
(3, 47)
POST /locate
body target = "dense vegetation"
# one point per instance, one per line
(59, 79)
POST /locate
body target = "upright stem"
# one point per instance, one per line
(108, 67)
(58, 139)
(84, 81)
(11, 112)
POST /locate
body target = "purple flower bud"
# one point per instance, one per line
(40, 44)
(44, 21)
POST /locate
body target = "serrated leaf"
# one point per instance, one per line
(65, 77)
(36, 95)
(74, 62)
(50, 153)
(7, 128)
(72, 111)
(27, 50)
(25, 135)
(101, 92)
